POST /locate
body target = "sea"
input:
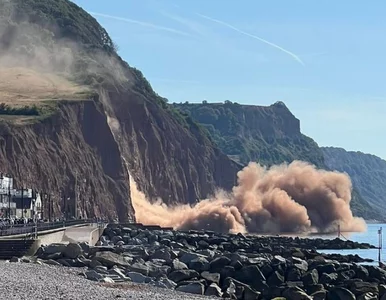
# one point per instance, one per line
(369, 236)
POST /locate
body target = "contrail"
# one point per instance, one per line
(145, 24)
(294, 56)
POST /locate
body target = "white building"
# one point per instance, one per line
(7, 205)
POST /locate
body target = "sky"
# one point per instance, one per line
(324, 59)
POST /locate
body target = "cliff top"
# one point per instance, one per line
(22, 86)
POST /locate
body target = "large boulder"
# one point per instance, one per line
(311, 277)
(110, 259)
(296, 293)
(219, 263)
(359, 287)
(252, 276)
(187, 257)
(178, 265)
(199, 264)
(93, 275)
(275, 279)
(53, 248)
(182, 275)
(213, 290)
(161, 254)
(340, 293)
(138, 277)
(73, 250)
(211, 277)
(192, 288)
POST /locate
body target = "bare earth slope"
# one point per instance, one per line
(75, 141)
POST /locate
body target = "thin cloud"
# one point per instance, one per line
(294, 56)
(193, 26)
(144, 24)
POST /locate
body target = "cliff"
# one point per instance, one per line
(114, 126)
(368, 173)
(267, 134)
(75, 143)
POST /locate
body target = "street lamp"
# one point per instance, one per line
(1, 193)
(9, 197)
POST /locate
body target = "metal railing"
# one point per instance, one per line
(34, 228)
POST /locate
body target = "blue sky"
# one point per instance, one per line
(325, 59)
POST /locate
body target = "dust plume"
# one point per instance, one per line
(50, 50)
(282, 199)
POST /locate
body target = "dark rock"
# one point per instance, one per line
(296, 293)
(250, 294)
(227, 271)
(311, 289)
(236, 286)
(377, 273)
(211, 277)
(219, 263)
(340, 293)
(15, 259)
(319, 295)
(187, 257)
(368, 296)
(93, 275)
(272, 291)
(54, 248)
(164, 282)
(192, 288)
(328, 278)
(294, 275)
(300, 264)
(252, 276)
(161, 254)
(200, 264)
(346, 275)
(295, 284)
(267, 270)
(52, 262)
(311, 277)
(213, 290)
(139, 268)
(180, 275)
(236, 264)
(382, 289)
(275, 279)
(110, 259)
(138, 277)
(178, 265)
(361, 272)
(359, 288)
(277, 259)
(327, 268)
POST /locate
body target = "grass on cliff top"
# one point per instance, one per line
(26, 94)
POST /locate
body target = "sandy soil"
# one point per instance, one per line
(22, 86)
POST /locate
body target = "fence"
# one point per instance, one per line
(34, 228)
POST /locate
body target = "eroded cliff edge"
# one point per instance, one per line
(75, 143)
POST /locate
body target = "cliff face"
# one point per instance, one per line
(368, 173)
(129, 125)
(266, 134)
(167, 159)
(73, 144)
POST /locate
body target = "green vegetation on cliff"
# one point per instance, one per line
(269, 135)
(61, 37)
(367, 172)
